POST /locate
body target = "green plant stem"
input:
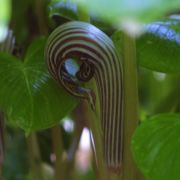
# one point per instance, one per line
(35, 158)
(2, 131)
(40, 10)
(130, 107)
(58, 150)
(95, 126)
(78, 116)
(1, 177)
(2, 143)
(64, 168)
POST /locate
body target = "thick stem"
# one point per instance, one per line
(40, 10)
(1, 177)
(64, 168)
(131, 107)
(35, 158)
(95, 127)
(80, 121)
(78, 116)
(58, 150)
(2, 144)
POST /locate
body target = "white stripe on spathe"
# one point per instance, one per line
(94, 48)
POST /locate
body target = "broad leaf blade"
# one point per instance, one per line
(156, 147)
(159, 48)
(28, 95)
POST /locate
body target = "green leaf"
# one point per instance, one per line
(156, 147)
(117, 11)
(65, 9)
(31, 99)
(159, 48)
(59, 9)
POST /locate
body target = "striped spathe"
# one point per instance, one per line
(98, 59)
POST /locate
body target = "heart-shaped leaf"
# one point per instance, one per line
(28, 95)
(156, 146)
